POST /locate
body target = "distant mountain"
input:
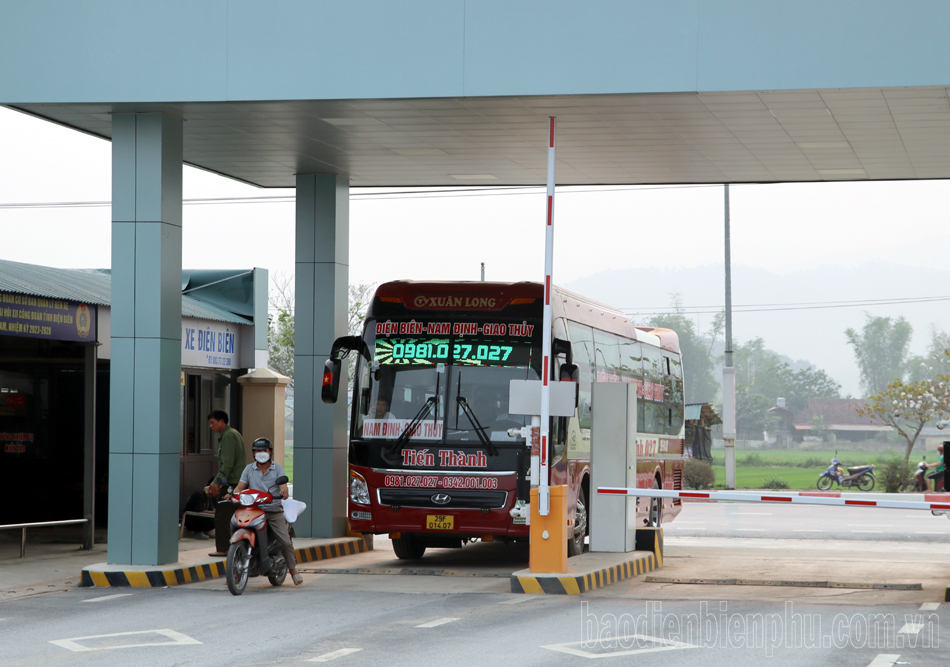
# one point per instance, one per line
(814, 335)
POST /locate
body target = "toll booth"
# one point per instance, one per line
(613, 463)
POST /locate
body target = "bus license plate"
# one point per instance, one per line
(440, 522)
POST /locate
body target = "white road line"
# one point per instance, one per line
(517, 600)
(884, 660)
(751, 514)
(441, 621)
(327, 657)
(807, 530)
(177, 639)
(926, 606)
(911, 629)
(870, 525)
(758, 529)
(867, 531)
(929, 532)
(108, 597)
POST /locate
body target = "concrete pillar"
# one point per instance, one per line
(262, 411)
(144, 427)
(322, 287)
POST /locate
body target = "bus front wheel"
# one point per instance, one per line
(408, 547)
(656, 508)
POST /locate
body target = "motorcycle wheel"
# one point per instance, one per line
(278, 573)
(236, 569)
(825, 483)
(866, 482)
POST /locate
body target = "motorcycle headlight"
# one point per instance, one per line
(359, 489)
(247, 499)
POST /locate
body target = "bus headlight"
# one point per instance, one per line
(359, 489)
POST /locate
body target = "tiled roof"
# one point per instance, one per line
(839, 411)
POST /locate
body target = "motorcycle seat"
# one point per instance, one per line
(855, 469)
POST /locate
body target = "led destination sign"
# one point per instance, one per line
(470, 351)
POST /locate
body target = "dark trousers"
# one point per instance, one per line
(222, 525)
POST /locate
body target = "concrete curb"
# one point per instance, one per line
(146, 576)
(584, 576)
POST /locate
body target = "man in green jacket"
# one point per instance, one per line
(231, 463)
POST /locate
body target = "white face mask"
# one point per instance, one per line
(262, 457)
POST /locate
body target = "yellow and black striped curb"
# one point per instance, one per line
(573, 585)
(348, 547)
(182, 575)
(649, 540)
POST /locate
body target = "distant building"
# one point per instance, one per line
(840, 419)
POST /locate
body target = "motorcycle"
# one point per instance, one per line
(919, 481)
(254, 551)
(859, 476)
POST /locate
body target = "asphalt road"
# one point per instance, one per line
(807, 523)
(381, 618)
(190, 626)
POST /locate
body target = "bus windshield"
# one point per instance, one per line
(442, 388)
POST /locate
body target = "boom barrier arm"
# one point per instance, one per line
(739, 496)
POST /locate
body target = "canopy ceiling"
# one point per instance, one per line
(736, 137)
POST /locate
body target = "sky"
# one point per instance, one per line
(782, 229)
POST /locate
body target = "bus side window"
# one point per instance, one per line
(582, 344)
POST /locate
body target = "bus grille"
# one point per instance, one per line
(460, 499)
(677, 485)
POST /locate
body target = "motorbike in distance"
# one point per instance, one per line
(859, 476)
(918, 483)
(253, 551)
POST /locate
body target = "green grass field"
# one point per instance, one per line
(799, 469)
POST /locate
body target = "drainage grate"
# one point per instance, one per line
(778, 582)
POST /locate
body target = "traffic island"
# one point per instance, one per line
(192, 567)
(590, 571)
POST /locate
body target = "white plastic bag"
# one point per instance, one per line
(293, 509)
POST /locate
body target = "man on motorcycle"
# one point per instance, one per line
(940, 471)
(262, 475)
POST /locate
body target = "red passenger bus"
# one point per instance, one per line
(435, 458)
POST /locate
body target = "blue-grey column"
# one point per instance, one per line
(144, 412)
(322, 288)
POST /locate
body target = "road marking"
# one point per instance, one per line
(432, 624)
(108, 597)
(807, 530)
(870, 525)
(327, 657)
(867, 531)
(926, 606)
(177, 639)
(658, 644)
(911, 629)
(884, 660)
(751, 514)
(517, 600)
(759, 529)
(929, 532)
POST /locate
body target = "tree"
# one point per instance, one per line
(700, 384)
(280, 339)
(280, 328)
(881, 351)
(908, 407)
(935, 361)
(762, 376)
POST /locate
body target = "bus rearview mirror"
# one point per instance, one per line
(331, 380)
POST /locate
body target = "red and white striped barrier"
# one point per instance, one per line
(752, 497)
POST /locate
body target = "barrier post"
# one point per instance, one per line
(548, 550)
